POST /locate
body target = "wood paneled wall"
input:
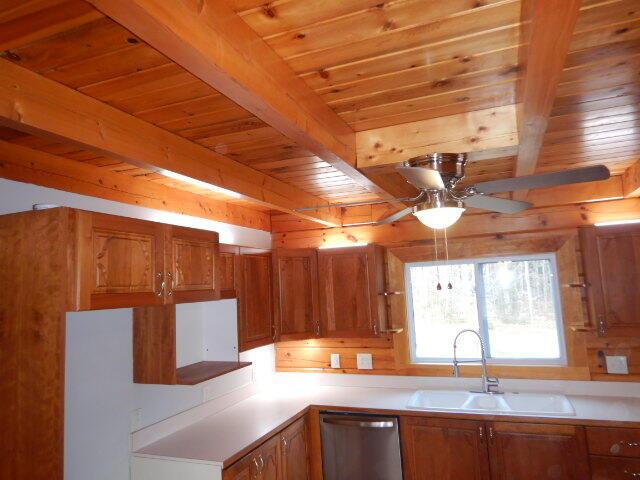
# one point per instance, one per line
(390, 354)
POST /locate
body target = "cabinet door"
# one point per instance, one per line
(444, 449)
(523, 451)
(254, 301)
(296, 287)
(268, 459)
(611, 258)
(227, 263)
(294, 458)
(192, 257)
(119, 262)
(349, 282)
(245, 469)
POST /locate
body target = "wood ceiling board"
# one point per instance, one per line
(31, 102)
(472, 22)
(22, 24)
(433, 106)
(243, 68)
(472, 131)
(461, 51)
(549, 36)
(624, 30)
(27, 165)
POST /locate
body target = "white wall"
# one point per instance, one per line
(100, 395)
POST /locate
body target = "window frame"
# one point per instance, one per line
(482, 318)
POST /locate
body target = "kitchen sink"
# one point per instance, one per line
(509, 403)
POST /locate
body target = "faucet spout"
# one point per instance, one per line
(489, 385)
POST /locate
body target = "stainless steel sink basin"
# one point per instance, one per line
(509, 403)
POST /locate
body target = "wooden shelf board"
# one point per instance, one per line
(202, 371)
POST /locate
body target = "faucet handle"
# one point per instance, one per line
(493, 385)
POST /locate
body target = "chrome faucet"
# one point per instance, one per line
(489, 384)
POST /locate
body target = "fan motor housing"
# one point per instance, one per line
(450, 165)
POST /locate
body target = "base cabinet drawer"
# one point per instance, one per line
(617, 442)
(612, 468)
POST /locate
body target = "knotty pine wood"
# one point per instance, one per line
(631, 180)
(34, 254)
(109, 130)
(33, 166)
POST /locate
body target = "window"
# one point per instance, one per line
(513, 302)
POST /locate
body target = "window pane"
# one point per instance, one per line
(440, 314)
(521, 309)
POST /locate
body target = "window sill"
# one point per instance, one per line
(536, 372)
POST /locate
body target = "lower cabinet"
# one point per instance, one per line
(447, 449)
(444, 449)
(285, 456)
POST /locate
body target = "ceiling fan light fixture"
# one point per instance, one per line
(439, 217)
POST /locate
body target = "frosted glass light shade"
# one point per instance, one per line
(439, 217)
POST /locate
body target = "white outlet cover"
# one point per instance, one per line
(617, 364)
(365, 361)
(335, 360)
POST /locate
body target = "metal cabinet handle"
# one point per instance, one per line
(602, 326)
(170, 277)
(162, 284)
(617, 447)
(284, 445)
(273, 329)
(317, 329)
(261, 462)
(388, 294)
(359, 423)
(632, 474)
(491, 434)
(481, 434)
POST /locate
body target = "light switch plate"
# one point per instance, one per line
(617, 364)
(365, 361)
(335, 360)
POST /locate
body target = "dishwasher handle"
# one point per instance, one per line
(359, 423)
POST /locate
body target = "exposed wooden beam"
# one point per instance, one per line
(547, 27)
(211, 41)
(32, 166)
(493, 128)
(631, 180)
(411, 231)
(32, 103)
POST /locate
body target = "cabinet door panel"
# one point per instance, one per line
(296, 284)
(192, 262)
(443, 449)
(244, 469)
(254, 299)
(227, 269)
(612, 269)
(611, 468)
(348, 284)
(294, 459)
(268, 458)
(522, 451)
(119, 261)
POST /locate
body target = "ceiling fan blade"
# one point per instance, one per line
(494, 204)
(422, 178)
(395, 217)
(544, 180)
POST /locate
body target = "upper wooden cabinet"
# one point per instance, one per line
(351, 285)
(124, 262)
(228, 263)
(611, 257)
(255, 311)
(296, 292)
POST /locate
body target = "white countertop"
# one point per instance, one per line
(219, 437)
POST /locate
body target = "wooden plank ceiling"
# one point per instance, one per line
(375, 63)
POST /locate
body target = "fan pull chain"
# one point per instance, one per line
(446, 250)
(435, 242)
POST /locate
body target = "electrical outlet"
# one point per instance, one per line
(365, 361)
(335, 360)
(617, 364)
(135, 419)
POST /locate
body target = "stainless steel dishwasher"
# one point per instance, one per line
(360, 447)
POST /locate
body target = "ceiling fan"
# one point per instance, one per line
(440, 204)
